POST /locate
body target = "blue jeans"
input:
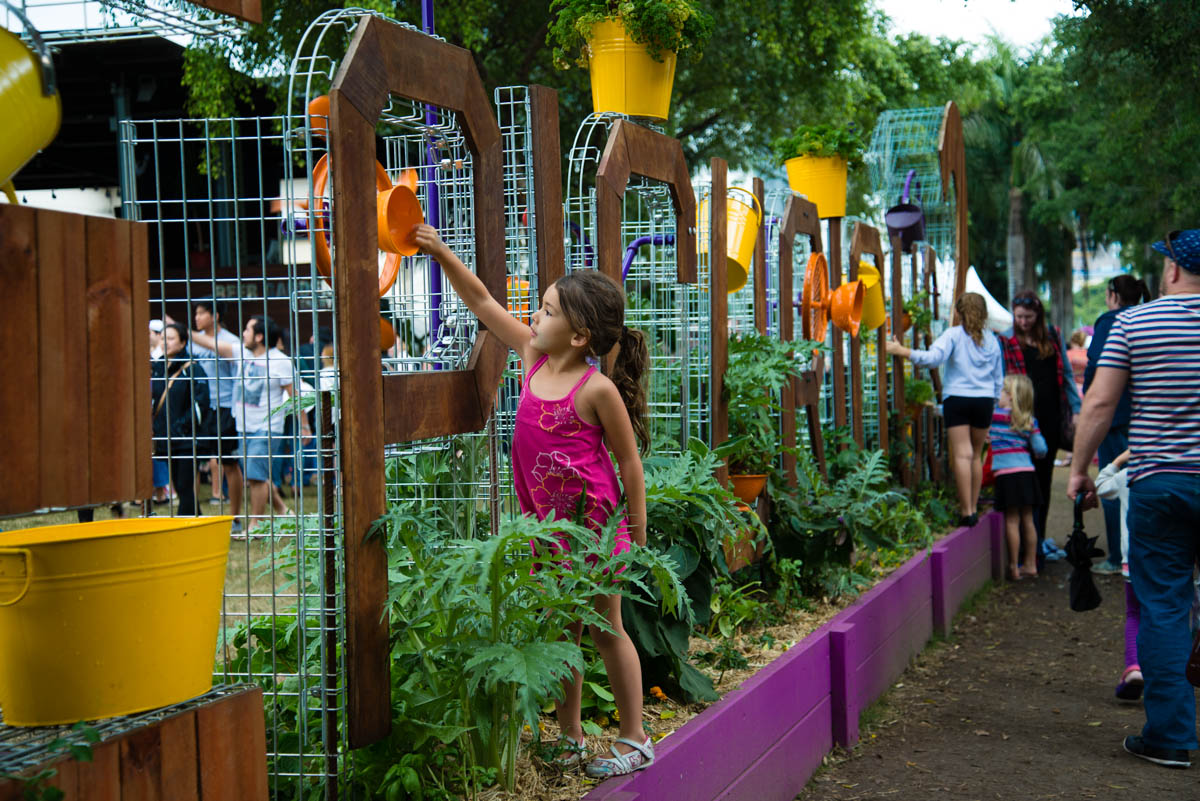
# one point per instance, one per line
(1114, 442)
(1164, 538)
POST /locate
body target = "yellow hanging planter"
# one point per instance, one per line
(742, 223)
(625, 79)
(30, 104)
(822, 179)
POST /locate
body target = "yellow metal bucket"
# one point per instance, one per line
(821, 180)
(873, 312)
(625, 79)
(29, 102)
(108, 618)
(742, 221)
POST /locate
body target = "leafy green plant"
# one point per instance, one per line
(920, 316)
(759, 367)
(917, 392)
(733, 606)
(724, 656)
(822, 141)
(679, 26)
(78, 742)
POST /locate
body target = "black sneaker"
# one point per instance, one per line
(1167, 757)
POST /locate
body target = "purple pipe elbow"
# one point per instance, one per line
(636, 245)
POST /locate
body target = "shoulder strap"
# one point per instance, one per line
(162, 398)
(581, 381)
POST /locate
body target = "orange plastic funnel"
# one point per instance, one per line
(845, 307)
(399, 213)
(318, 115)
(387, 335)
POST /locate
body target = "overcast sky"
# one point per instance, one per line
(1021, 22)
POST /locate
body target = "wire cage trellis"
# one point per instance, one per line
(676, 318)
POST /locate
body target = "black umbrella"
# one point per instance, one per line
(1080, 550)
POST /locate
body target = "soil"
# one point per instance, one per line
(1017, 704)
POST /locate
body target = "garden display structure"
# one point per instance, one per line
(491, 178)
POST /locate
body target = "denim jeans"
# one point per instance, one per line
(1114, 442)
(1164, 537)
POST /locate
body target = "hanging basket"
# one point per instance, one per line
(742, 223)
(625, 79)
(822, 180)
(748, 487)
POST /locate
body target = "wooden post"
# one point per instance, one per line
(856, 387)
(865, 241)
(761, 312)
(718, 281)
(952, 159)
(799, 219)
(839, 363)
(898, 362)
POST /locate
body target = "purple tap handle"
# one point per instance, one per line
(431, 194)
(908, 179)
(636, 245)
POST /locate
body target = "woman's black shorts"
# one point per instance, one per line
(973, 412)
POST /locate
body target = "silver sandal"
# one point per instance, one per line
(640, 758)
(571, 752)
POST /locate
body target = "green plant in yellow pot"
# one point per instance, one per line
(629, 48)
(817, 158)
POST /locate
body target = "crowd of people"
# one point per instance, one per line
(219, 406)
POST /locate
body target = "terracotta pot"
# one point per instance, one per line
(748, 487)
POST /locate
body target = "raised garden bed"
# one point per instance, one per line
(764, 740)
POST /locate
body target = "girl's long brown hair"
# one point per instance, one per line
(1038, 333)
(595, 306)
(972, 310)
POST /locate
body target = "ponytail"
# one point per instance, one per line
(629, 368)
(1130, 291)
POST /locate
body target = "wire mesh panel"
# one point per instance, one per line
(676, 318)
(229, 265)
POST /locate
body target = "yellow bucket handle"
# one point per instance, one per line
(49, 81)
(757, 207)
(28, 556)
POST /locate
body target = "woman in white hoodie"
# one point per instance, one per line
(971, 382)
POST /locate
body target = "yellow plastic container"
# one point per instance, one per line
(821, 180)
(29, 103)
(873, 312)
(742, 221)
(108, 618)
(625, 79)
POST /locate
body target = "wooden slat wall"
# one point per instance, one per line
(19, 408)
(217, 751)
(74, 363)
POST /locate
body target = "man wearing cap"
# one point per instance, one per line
(1155, 349)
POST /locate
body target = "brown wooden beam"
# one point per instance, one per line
(719, 304)
(800, 218)
(865, 241)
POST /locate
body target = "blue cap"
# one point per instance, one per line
(1184, 248)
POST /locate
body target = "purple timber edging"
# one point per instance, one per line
(960, 564)
(764, 740)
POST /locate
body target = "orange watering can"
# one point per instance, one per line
(29, 101)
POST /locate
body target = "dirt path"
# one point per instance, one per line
(1018, 704)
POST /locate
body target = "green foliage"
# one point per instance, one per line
(919, 313)
(723, 656)
(676, 26)
(822, 141)
(733, 606)
(917, 392)
(759, 367)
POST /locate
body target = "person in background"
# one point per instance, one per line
(1154, 349)
(1077, 355)
(159, 469)
(1016, 442)
(1113, 484)
(970, 384)
(1123, 291)
(178, 391)
(219, 432)
(1036, 349)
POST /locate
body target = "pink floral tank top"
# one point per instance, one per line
(556, 455)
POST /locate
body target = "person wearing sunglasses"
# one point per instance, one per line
(1122, 292)
(1154, 349)
(1036, 349)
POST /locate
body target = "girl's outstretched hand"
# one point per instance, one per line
(894, 347)
(429, 241)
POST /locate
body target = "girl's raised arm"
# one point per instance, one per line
(490, 312)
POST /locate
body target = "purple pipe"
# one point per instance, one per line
(636, 245)
(432, 160)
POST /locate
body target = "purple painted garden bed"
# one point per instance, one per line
(763, 740)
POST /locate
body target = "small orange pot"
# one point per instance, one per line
(846, 305)
(748, 487)
(399, 213)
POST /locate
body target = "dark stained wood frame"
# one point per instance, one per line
(634, 150)
(761, 313)
(547, 185)
(246, 10)
(897, 361)
(385, 58)
(953, 160)
(800, 218)
(718, 293)
(865, 241)
(839, 358)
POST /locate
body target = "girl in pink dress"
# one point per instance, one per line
(569, 416)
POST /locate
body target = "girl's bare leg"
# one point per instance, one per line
(960, 457)
(979, 436)
(1012, 536)
(1030, 540)
(623, 668)
(568, 711)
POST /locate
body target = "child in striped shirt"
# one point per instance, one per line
(1016, 441)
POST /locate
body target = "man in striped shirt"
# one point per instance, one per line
(1155, 348)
